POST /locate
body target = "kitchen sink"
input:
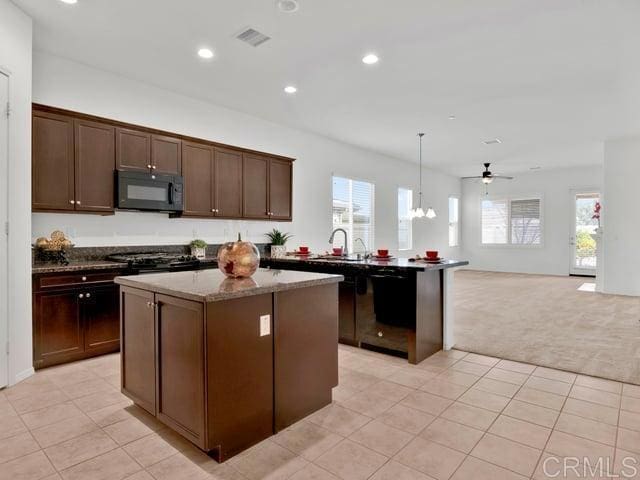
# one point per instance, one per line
(332, 258)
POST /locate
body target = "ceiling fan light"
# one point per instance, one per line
(487, 180)
(431, 213)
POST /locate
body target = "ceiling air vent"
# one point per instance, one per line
(493, 141)
(252, 37)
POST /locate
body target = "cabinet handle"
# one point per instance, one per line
(149, 166)
(88, 295)
(77, 202)
(213, 210)
(380, 334)
(84, 279)
(154, 167)
(149, 304)
(81, 296)
(72, 202)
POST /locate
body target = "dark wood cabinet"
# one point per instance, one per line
(227, 183)
(75, 316)
(75, 155)
(101, 318)
(255, 186)
(133, 150)
(95, 163)
(138, 347)
(57, 332)
(198, 172)
(267, 188)
(52, 176)
(180, 363)
(280, 181)
(166, 155)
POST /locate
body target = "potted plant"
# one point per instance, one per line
(198, 248)
(277, 239)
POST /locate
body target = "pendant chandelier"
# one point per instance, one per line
(419, 212)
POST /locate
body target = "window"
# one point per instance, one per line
(405, 204)
(511, 221)
(454, 215)
(353, 210)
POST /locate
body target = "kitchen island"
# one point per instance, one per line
(229, 362)
(399, 306)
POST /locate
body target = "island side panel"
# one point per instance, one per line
(239, 374)
(137, 347)
(426, 339)
(305, 351)
(180, 400)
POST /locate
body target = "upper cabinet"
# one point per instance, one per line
(74, 157)
(52, 176)
(139, 151)
(267, 187)
(73, 163)
(94, 166)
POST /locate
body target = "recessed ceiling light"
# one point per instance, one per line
(290, 89)
(452, 117)
(70, 2)
(205, 53)
(370, 59)
(288, 6)
(493, 141)
(535, 168)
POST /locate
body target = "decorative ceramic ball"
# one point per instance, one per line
(238, 259)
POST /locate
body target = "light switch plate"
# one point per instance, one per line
(265, 325)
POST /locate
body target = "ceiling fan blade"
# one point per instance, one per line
(468, 178)
(504, 177)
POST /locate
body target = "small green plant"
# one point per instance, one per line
(276, 237)
(197, 243)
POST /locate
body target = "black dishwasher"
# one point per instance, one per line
(385, 311)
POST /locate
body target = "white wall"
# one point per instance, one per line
(63, 83)
(621, 233)
(15, 55)
(554, 186)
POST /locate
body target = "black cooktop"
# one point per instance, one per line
(153, 260)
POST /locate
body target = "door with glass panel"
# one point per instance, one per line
(583, 241)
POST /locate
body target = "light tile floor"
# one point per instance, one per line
(455, 416)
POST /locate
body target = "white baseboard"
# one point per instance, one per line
(22, 376)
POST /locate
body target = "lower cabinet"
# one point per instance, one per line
(229, 374)
(72, 321)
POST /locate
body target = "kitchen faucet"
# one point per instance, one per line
(366, 255)
(345, 252)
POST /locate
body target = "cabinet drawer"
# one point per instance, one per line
(63, 280)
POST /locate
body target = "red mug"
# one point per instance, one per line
(383, 252)
(431, 254)
(337, 251)
(303, 249)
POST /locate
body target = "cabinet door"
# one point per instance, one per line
(52, 178)
(197, 167)
(228, 183)
(95, 161)
(137, 347)
(280, 189)
(57, 333)
(166, 155)
(255, 186)
(133, 150)
(347, 311)
(100, 316)
(180, 350)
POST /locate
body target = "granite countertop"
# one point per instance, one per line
(76, 266)
(212, 285)
(394, 263)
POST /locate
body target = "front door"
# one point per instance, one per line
(583, 236)
(4, 185)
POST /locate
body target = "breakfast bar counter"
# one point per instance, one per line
(229, 362)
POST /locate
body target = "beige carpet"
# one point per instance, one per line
(546, 320)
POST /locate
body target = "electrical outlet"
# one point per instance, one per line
(265, 325)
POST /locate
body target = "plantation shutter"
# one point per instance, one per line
(525, 222)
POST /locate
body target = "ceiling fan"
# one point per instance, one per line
(487, 177)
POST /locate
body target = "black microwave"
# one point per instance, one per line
(149, 191)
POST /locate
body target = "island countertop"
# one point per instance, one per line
(212, 285)
(368, 264)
